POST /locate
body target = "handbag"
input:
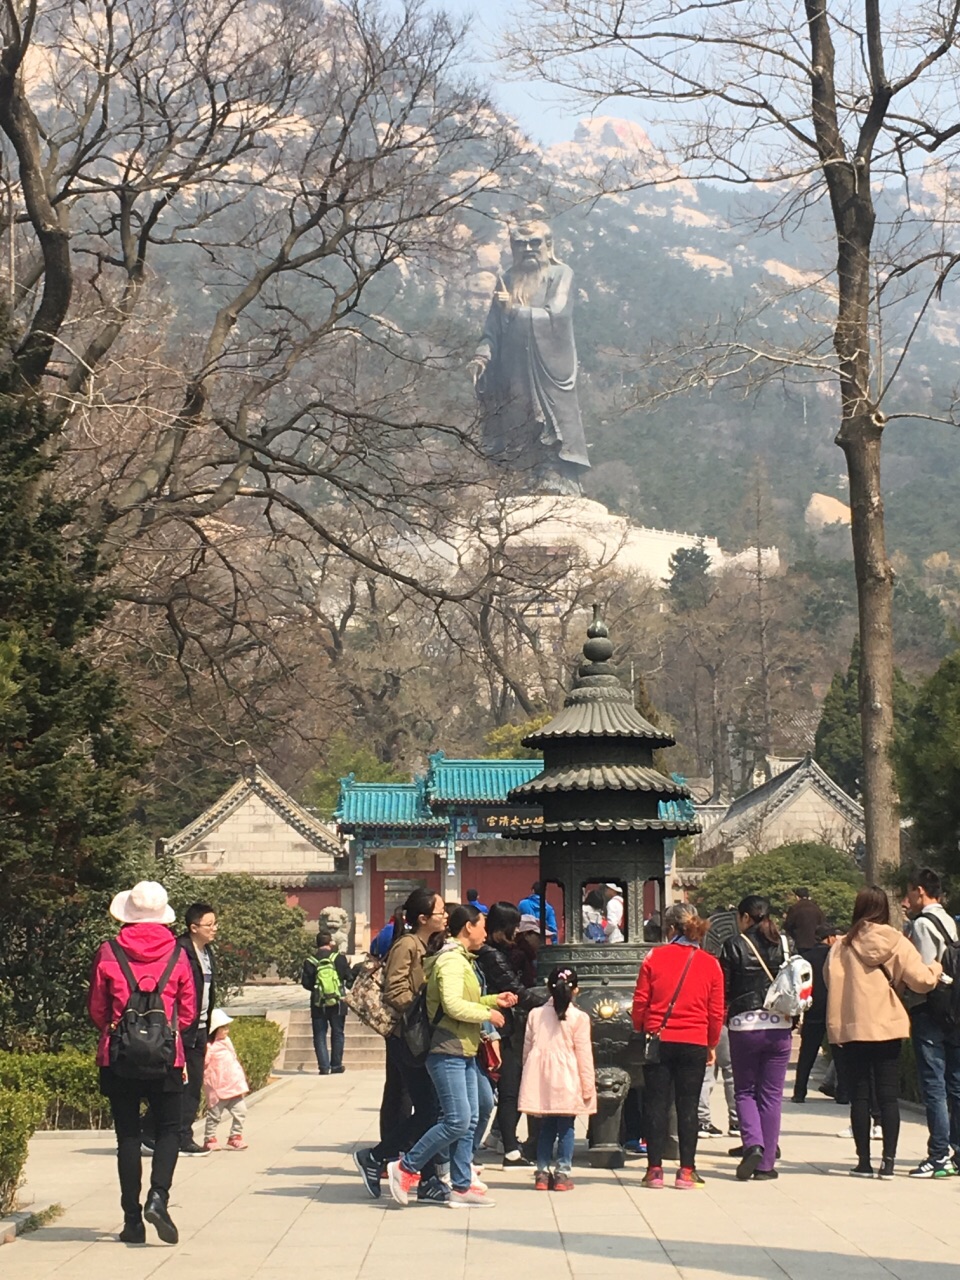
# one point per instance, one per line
(651, 1040)
(490, 1059)
(365, 997)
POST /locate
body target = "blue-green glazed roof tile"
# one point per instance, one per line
(385, 804)
(476, 781)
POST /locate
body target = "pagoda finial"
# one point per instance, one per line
(596, 667)
(597, 628)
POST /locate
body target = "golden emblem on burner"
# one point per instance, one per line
(608, 1008)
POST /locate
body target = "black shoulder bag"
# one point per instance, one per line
(651, 1041)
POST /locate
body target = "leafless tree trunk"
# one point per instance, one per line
(760, 94)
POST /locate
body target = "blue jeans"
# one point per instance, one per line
(559, 1130)
(938, 1071)
(322, 1019)
(486, 1101)
(455, 1080)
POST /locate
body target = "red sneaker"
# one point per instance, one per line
(653, 1178)
(544, 1180)
(236, 1143)
(688, 1180)
(562, 1182)
(211, 1144)
(401, 1181)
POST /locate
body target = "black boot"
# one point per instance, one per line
(155, 1212)
(134, 1232)
(748, 1162)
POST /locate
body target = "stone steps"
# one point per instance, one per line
(363, 1049)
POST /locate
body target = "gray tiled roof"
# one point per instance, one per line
(600, 712)
(256, 782)
(600, 777)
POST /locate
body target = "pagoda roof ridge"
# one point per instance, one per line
(598, 705)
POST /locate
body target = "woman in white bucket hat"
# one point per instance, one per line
(144, 954)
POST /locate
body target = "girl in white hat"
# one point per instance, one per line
(225, 1086)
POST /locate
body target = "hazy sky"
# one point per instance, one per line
(537, 109)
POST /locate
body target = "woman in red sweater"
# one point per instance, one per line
(679, 998)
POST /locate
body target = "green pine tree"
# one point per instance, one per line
(66, 754)
(345, 756)
(837, 745)
(688, 584)
(928, 768)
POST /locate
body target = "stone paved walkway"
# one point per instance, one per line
(293, 1205)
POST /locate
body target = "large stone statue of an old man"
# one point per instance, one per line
(525, 368)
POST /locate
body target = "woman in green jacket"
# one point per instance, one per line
(456, 1010)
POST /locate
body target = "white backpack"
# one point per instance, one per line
(791, 991)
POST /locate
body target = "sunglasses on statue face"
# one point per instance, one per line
(534, 242)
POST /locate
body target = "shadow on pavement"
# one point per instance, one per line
(60, 1235)
(732, 1259)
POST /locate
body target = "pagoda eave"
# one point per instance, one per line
(600, 777)
(602, 826)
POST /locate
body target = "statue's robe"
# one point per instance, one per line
(528, 390)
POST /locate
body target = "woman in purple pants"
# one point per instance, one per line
(759, 1038)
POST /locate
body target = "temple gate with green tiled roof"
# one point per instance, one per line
(456, 813)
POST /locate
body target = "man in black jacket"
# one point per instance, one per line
(802, 921)
(815, 1019)
(197, 941)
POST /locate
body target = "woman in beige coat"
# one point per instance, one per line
(558, 1079)
(865, 972)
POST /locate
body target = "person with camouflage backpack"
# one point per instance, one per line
(326, 976)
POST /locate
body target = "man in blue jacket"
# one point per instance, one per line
(530, 906)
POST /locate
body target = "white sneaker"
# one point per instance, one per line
(845, 1133)
(471, 1199)
(876, 1132)
(477, 1184)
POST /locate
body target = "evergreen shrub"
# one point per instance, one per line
(20, 1113)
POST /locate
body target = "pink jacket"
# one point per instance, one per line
(222, 1073)
(148, 948)
(558, 1077)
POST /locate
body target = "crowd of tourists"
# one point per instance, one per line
(473, 1039)
(494, 1041)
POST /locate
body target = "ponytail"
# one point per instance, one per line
(561, 984)
(758, 909)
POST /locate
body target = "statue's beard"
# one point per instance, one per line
(525, 281)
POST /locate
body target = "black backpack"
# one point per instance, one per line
(143, 1044)
(416, 1026)
(943, 1002)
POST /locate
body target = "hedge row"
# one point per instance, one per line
(67, 1083)
(257, 1042)
(20, 1113)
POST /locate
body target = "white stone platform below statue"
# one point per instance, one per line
(602, 537)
